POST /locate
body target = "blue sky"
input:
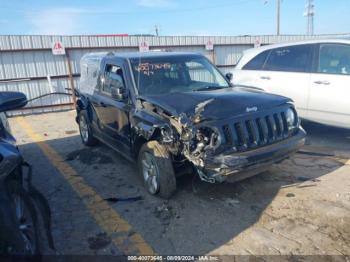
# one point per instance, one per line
(175, 17)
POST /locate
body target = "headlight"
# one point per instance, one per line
(291, 118)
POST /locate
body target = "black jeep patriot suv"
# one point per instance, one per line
(175, 113)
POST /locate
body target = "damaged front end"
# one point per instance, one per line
(236, 146)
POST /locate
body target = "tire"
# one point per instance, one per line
(85, 129)
(25, 235)
(154, 163)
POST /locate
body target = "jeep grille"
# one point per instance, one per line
(261, 130)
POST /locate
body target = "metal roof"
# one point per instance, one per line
(28, 42)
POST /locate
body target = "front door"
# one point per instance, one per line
(113, 108)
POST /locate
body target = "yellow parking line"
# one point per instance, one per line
(105, 216)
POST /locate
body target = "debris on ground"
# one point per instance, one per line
(101, 240)
(164, 213)
(123, 199)
(232, 201)
(303, 178)
(70, 132)
(290, 195)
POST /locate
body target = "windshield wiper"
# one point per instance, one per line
(210, 88)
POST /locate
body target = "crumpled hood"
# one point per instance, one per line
(216, 104)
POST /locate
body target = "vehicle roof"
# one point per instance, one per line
(252, 52)
(136, 55)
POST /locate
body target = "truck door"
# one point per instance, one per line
(112, 107)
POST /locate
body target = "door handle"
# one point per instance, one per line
(322, 82)
(103, 104)
(265, 77)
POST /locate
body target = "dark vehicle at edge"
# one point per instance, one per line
(24, 212)
(175, 113)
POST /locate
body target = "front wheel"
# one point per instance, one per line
(25, 234)
(156, 169)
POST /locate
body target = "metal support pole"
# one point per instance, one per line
(70, 76)
(278, 16)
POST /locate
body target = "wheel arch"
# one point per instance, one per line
(84, 104)
(144, 137)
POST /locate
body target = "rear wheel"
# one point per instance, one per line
(156, 169)
(86, 130)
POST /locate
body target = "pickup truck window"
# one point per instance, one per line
(334, 59)
(162, 75)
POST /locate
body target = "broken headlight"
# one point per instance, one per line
(206, 138)
(291, 118)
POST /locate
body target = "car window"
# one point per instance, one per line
(113, 77)
(257, 62)
(290, 59)
(163, 75)
(199, 73)
(334, 59)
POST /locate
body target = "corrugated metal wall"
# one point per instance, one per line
(28, 65)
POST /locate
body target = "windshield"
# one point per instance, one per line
(162, 75)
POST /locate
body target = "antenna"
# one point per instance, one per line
(310, 13)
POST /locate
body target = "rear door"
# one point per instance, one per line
(287, 72)
(330, 85)
(112, 112)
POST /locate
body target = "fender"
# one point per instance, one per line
(83, 103)
(145, 124)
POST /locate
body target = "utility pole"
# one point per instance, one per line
(278, 16)
(310, 13)
(156, 29)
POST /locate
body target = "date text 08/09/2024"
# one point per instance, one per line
(172, 258)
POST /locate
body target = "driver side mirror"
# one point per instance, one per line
(12, 100)
(118, 91)
(229, 76)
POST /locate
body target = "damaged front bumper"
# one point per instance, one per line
(237, 166)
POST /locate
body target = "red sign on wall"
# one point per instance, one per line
(58, 48)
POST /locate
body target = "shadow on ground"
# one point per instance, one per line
(327, 136)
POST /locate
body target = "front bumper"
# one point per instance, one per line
(238, 166)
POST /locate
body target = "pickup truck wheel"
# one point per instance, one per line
(85, 130)
(156, 169)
